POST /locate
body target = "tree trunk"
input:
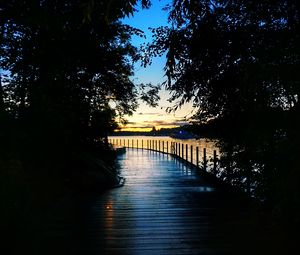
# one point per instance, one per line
(1, 97)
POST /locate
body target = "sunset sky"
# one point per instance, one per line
(146, 117)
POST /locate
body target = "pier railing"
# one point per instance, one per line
(194, 155)
(205, 159)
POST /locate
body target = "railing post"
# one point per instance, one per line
(128, 143)
(186, 153)
(168, 147)
(192, 154)
(163, 146)
(179, 150)
(159, 145)
(197, 156)
(137, 143)
(182, 151)
(174, 148)
(215, 163)
(156, 145)
(142, 144)
(204, 159)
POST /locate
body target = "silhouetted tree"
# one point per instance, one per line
(61, 62)
(103, 122)
(64, 60)
(237, 61)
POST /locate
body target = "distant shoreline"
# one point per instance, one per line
(160, 132)
(137, 134)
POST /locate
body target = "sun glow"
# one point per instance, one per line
(146, 118)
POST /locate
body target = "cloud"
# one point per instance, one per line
(139, 127)
(154, 121)
(149, 113)
(166, 123)
(182, 119)
(178, 123)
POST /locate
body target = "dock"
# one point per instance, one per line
(165, 207)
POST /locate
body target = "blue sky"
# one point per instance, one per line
(143, 19)
(145, 116)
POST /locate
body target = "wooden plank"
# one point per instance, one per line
(165, 207)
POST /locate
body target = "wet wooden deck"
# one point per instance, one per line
(165, 207)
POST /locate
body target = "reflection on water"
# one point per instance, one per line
(196, 151)
(163, 143)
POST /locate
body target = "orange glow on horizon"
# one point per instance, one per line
(144, 129)
(145, 118)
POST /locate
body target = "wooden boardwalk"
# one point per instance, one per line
(165, 207)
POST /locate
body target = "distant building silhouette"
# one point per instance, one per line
(153, 129)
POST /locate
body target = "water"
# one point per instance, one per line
(187, 149)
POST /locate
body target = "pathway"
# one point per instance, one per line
(165, 207)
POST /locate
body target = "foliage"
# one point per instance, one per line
(63, 65)
(149, 94)
(54, 52)
(237, 62)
